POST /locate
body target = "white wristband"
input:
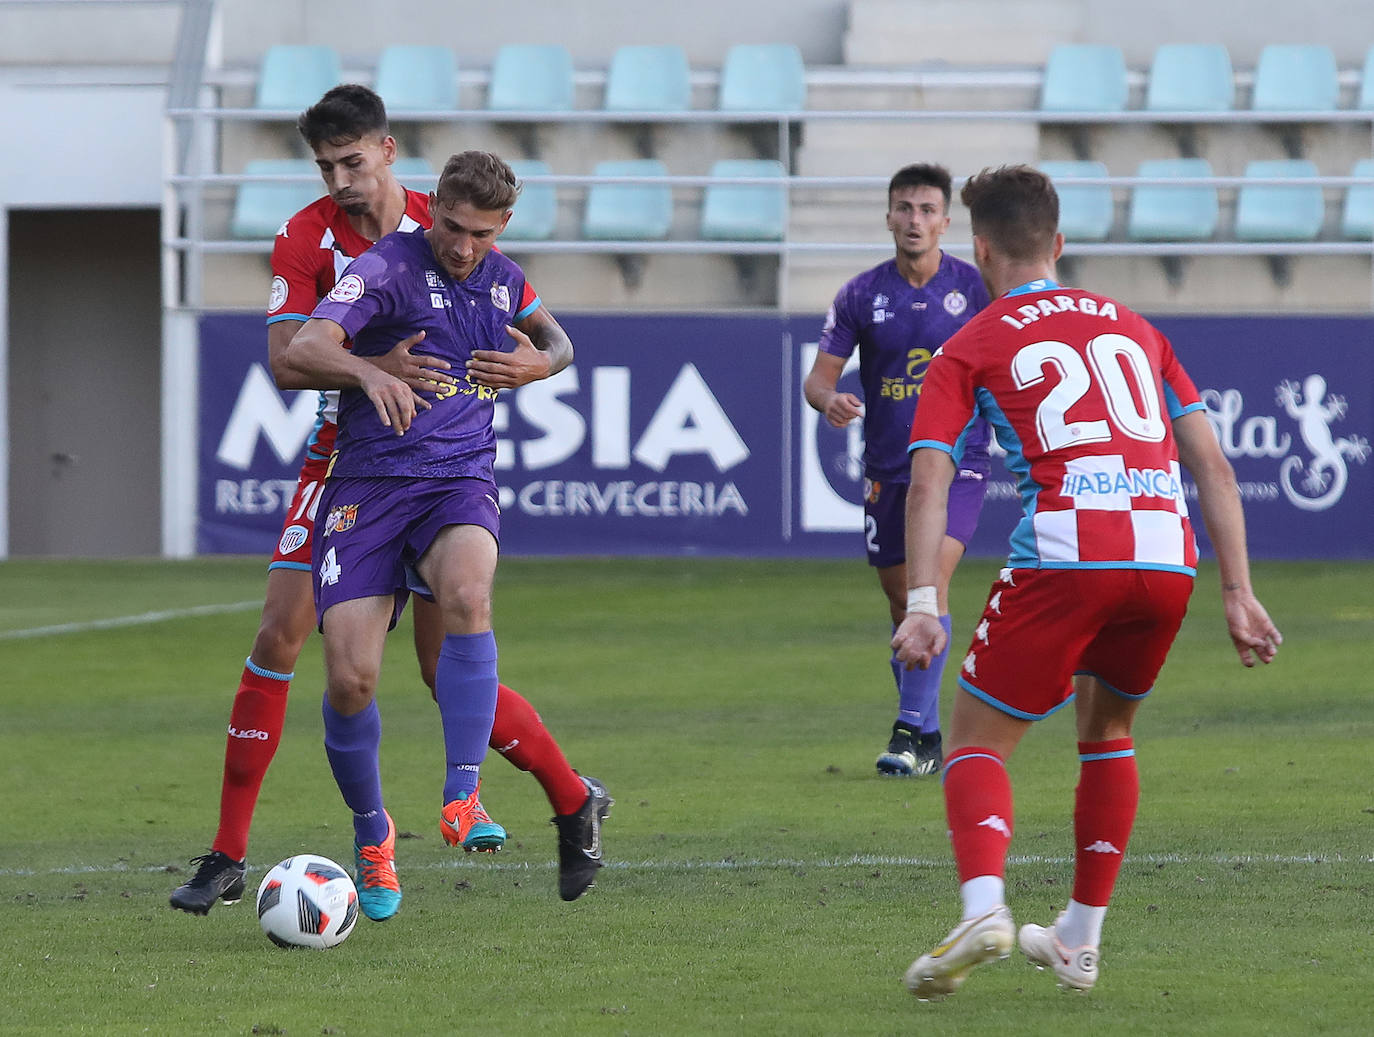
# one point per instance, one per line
(921, 601)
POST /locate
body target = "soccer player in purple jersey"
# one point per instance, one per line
(898, 314)
(411, 499)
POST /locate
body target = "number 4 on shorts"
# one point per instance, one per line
(330, 570)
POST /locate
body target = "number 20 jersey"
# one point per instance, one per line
(1081, 392)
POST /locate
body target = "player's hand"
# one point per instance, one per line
(421, 372)
(843, 408)
(396, 402)
(524, 364)
(1252, 631)
(918, 640)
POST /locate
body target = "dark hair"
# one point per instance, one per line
(479, 178)
(345, 113)
(1015, 208)
(920, 174)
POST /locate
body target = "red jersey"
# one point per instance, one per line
(1081, 392)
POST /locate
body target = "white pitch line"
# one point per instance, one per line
(129, 621)
(762, 864)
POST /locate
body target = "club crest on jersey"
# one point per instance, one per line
(432, 279)
(276, 299)
(341, 518)
(955, 303)
(349, 289)
(293, 538)
(500, 297)
(872, 491)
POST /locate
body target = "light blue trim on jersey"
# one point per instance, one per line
(983, 696)
(934, 444)
(538, 302)
(1120, 754)
(1177, 410)
(971, 756)
(298, 566)
(288, 316)
(264, 672)
(1023, 554)
(1040, 284)
(1161, 567)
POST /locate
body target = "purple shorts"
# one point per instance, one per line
(370, 533)
(885, 515)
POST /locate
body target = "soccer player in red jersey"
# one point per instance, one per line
(1096, 414)
(348, 133)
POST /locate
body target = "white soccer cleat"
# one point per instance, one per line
(971, 943)
(1075, 969)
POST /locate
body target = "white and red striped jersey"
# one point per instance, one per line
(1081, 392)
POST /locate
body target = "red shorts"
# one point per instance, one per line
(1040, 627)
(293, 546)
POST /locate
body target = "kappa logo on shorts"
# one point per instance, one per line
(341, 518)
(293, 538)
(970, 665)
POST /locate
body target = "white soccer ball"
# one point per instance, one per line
(307, 901)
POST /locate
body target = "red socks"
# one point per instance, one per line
(521, 737)
(978, 807)
(1103, 815)
(255, 725)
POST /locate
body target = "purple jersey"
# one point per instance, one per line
(390, 292)
(898, 328)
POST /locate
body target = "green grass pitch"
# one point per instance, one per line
(761, 879)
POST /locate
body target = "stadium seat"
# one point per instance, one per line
(261, 208)
(416, 78)
(536, 210)
(763, 77)
(1296, 77)
(631, 212)
(1086, 212)
(1166, 212)
(644, 78)
(415, 173)
(1357, 213)
(1279, 212)
(292, 77)
(1365, 101)
(1191, 77)
(1084, 77)
(745, 212)
(528, 77)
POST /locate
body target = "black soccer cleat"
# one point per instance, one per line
(930, 753)
(579, 841)
(218, 877)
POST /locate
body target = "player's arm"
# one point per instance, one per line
(839, 408)
(920, 637)
(541, 349)
(1252, 631)
(317, 357)
(417, 370)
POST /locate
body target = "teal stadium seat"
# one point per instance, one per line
(1296, 77)
(1191, 77)
(745, 212)
(763, 77)
(1084, 77)
(536, 210)
(261, 208)
(645, 78)
(417, 78)
(1279, 212)
(529, 77)
(1357, 213)
(1365, 101)
(293, 76)
(629, 212)
(415, 173)
(1086, 212)
(1168, 212)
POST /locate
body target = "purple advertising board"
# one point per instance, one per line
(680, 434)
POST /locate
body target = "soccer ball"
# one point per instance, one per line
(307, 901)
